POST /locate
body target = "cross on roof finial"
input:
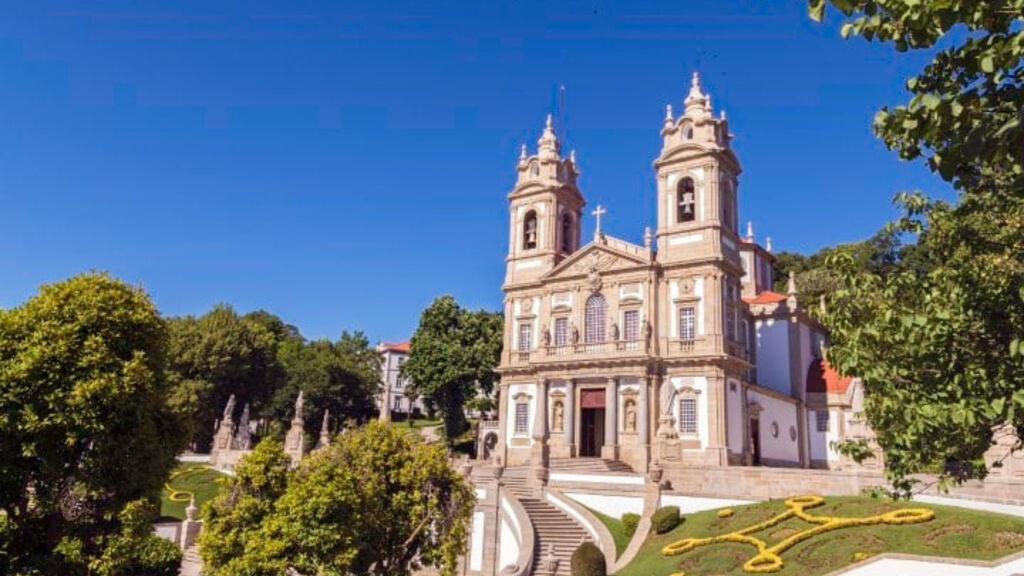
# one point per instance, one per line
(598, 212)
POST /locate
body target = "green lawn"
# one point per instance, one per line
(954, 532)
(186, 479)
(421, 423)
(614, 526)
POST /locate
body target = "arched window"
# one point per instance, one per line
(687, 129)
(566, 233)
(530, 231)
(534, 169)
(594, 319)
(686, 201)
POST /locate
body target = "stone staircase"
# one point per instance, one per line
(551, 526)
(191, 563)
(589, 466)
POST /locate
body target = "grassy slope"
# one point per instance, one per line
(614, 526)
(955, 532)
(203, 483)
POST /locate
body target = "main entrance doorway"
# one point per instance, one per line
(755, 441)
(591, 422)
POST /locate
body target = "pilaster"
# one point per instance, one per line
(610, 450)
(539, 448)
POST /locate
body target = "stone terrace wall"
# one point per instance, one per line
(761, 483)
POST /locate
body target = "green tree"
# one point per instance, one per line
(233, 520)
(85, 426)
(938, 339)
(340, 376)
(219, 354)
(965, 113)
(136, 550)
(376, 501)
(453, 353)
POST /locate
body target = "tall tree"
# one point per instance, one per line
(85, 426)
(375, 501)
(341, 377)
(938, 342)
(219, 354)
(452, 355)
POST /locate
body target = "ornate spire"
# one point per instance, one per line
(522, 153)
(299, 404)
(750, 231)
(547, 146)
(669, 120)
(695, 99)
(768, 244)
(648, 237)
(791, 290)
(325, 435)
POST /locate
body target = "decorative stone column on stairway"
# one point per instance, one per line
(539, 448)
(190, 527)
(610, 450)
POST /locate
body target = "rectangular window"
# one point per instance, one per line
(686, 323)
(631, 325)
(688, 415)
(525, 337)
(730, 322)
(522, 418)
(821, 420)
(561, 331)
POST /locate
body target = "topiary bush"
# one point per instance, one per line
(665, 519)
(629, 523)
(588, 560)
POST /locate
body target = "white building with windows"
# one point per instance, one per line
(393, 397)
(675, 352)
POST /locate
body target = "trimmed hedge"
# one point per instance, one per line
(629, 523)
(588, 560)
(665, 519)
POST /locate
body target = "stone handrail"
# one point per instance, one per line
(513, 512)
(590, 523)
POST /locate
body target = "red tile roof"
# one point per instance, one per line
(822, 378)
(766, 297)
(397, 347)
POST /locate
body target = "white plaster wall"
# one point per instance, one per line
(691, 504)
(510, 414)
(476, 551)
(699, 383)
(614, 506)
(508, 552)
(783, 447)
(734, 416)
(805, 360)
(772, 354)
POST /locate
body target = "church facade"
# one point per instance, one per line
(671, 353)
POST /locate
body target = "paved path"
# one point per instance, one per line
(430, 433)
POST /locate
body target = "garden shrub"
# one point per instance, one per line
(629, 523)
(588, 560)
(665, 519)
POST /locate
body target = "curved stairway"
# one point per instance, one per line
(551, 526)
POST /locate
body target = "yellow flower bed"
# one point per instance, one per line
(175, 495)
(768, 558)
(725, 512)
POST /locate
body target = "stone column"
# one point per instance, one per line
(501, 450)
(539, 449)
(569, 423)
(610, 450)
(718, 450)
(643, 425)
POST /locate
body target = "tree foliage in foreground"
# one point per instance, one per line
(376, 501)
(940, 348)
(452, 357)
(85, 428)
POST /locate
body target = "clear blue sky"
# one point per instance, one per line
(343, 163)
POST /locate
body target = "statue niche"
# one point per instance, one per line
(558, 417)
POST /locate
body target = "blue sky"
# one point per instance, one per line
(343, 163)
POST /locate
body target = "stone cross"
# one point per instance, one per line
(597, 214)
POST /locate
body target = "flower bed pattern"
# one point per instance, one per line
(768, 559)
(176, 495)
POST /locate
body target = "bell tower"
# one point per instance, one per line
(697, 184)
(544, 211)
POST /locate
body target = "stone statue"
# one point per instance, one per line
(647, 333)
(666, 395)
(615, 332)
(325, 435)
(300, 403)
(574, 333)
(558, 417)
(630, 416)
(546, 337)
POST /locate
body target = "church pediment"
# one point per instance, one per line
(595, 259)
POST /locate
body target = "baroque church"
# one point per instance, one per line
(671, 353)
